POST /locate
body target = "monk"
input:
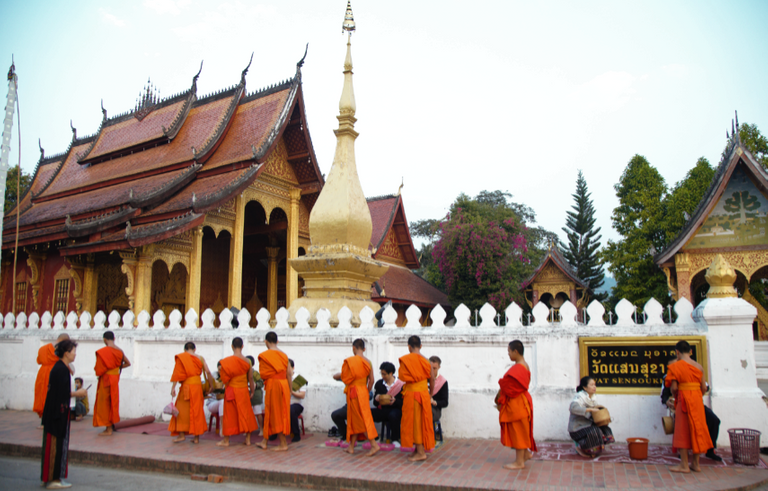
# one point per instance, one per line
(416, 427)
(278, 377)
(237, 374)
(356, 373)
(191, 418)
(110, 361)
(46, 359)
(685, 379)
(516, 408)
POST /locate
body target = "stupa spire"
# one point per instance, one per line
(341, 214)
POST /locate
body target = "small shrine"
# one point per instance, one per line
(730, 220)
(554, 282)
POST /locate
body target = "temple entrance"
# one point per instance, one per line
(214, 267)
(112, 283)
(264, 246)
(169, 288)
(554, 302)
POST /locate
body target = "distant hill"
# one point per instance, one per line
(608, 285)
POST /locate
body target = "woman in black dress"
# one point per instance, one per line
(56, 417)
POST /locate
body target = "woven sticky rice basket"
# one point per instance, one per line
(601, 417)
(385, 399)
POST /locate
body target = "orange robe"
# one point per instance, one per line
(189, 402)
(691, 429)
(277, 395)
(516, 409)
(238, 412)
(46, 358)
(416, 427)
(354, 373)
(106, 409)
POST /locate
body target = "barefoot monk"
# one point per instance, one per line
(516, 407)
(685, 379)
(277, 374)
(416, 428)
(191, 418)
(237, 374)
(110, 361)
(357, 375)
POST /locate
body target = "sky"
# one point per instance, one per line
(452, 96)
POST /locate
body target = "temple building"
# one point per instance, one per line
(184, 202)
(554, 282)
(392, 244)
(731, 220)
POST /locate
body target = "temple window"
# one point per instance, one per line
(21, 297)
(61, 295)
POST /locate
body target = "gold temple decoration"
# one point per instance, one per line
(721, 278)
(338, 270)
(349, 20)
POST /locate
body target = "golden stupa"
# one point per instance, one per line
(338, 269)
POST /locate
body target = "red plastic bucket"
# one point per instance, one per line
(638, 448)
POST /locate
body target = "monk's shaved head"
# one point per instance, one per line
(271, 337)
(237, 342)
(414, 342)
(359, 344)
(517, 345)
(109, 335)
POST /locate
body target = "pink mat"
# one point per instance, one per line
(618, 453)
(161, 429)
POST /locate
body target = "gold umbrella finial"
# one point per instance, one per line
(349, 20)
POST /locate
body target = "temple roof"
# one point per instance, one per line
(392, 243)
(735, 158)
(555, 257)
(388, 217)
(163, 165)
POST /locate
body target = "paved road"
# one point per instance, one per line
(24, 475)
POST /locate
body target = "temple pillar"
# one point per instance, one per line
(77, 272)
(291, 276)
(90, 285)
(272, 253)
(36, 263)
(143, 286)
(129, 270)
(682, 267)
(195, 270)
(236, 255)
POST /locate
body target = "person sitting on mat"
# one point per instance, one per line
(589, 438)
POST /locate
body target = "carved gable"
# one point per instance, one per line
(277, 164)
(390, 249)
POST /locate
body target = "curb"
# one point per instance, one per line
(279, 478)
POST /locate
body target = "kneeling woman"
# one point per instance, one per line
(590, 439)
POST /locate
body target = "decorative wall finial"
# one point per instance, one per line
(349, 20)
(721, 277)
(245, 72)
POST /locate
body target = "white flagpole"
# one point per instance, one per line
(10, 105)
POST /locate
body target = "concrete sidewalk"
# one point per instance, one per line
(457, 465)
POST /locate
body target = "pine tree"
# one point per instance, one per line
(581, 251)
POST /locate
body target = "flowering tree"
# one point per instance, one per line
(483, 250)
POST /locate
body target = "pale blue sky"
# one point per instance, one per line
(452, 96)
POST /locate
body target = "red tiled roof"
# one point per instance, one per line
(252, 124)
(382, 210)
(402, 285)
(201, 186)
(198, 127)
(98, 199)
(131, 131)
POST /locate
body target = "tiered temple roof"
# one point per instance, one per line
(392, 244)
(153, 172)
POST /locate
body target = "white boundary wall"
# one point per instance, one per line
(474, 358)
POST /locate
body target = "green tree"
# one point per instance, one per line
(10, 187)
(582, 249)
(756, 143)
(428, 230)
(640, 220)
(685, 197)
